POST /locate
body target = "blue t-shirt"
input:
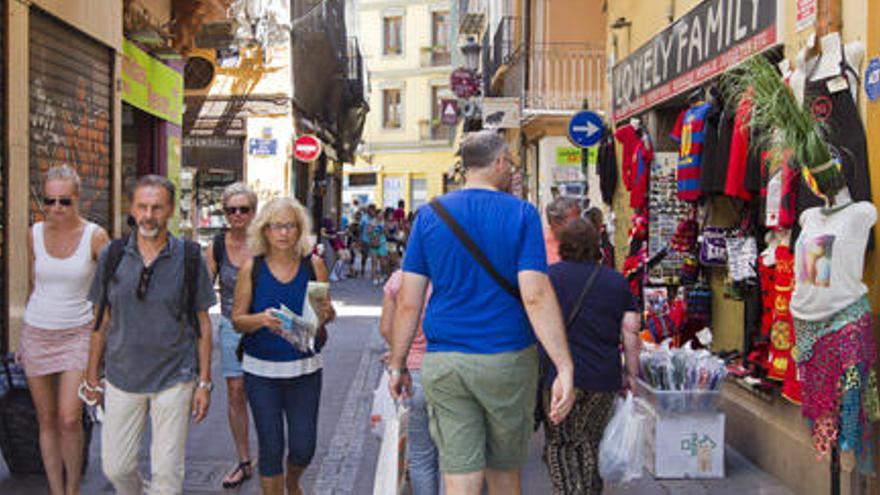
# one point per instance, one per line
(468, 311)
(594, 337)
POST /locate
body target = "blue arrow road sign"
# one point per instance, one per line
(585, 129)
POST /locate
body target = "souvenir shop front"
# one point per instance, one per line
(744, 227)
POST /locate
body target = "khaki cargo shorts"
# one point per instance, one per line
(481, 408)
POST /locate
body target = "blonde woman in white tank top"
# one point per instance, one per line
(58, 319)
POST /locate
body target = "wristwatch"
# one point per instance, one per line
(203, 385)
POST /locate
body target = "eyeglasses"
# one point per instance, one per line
(237, 210)
(144, 282)
(50, 201)
(278, 227)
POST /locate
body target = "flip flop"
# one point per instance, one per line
(246, 473)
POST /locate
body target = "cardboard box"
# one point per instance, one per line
(683, 445)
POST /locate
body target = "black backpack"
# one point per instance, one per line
(192, 254)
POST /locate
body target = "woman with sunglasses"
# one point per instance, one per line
(283, 383)
(63, 251)
(226, 253)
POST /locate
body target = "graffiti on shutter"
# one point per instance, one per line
(70, 106)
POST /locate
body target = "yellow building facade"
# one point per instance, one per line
(407, 153)
(768, 430)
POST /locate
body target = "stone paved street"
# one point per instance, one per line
(346, 456)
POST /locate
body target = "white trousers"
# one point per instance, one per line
(125, 417)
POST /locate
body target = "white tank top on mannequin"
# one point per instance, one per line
(61, 285)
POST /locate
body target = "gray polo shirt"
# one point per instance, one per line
(148, 349)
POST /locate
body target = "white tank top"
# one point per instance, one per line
(61, 285)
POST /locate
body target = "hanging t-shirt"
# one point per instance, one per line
(607, 168)
(638, 153)
(690, 133)
(829, 257)
(738, 163)
(711, 145)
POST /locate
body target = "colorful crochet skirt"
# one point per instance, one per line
(835, 359)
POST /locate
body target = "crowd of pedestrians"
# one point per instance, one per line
(493, 323)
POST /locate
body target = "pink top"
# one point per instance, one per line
(551, 244)
(420, 343)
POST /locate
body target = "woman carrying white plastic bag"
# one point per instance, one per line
(391, 469)
(621, 449)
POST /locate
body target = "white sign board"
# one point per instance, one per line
(806, 14)
(501, 113)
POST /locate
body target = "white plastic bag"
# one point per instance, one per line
(383, 406)
(390, 476)
(621, 450)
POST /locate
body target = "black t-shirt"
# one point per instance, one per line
(716, 151)
(594, 337)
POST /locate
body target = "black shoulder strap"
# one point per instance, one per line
(257, 265)
(580, 302)
(218, 248)
(111, 262)
(192, 256)
(307, 262)
(472, 248)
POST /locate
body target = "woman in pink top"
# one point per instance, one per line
(422, 453)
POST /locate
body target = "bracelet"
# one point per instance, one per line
(393, 372)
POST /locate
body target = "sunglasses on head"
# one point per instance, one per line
(144, 282)
(50, 201)
(241, 210)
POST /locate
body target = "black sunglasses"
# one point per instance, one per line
(232, 210)
(49, 201)
(144, 282)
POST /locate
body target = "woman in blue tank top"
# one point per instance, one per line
(282, 382)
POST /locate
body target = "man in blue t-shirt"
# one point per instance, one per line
(480, 371)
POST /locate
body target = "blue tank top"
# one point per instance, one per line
(270, 293)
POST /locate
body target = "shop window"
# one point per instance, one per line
(362, 180)
(198, 73)
(391, 109)
(392, 39)
(418, 192)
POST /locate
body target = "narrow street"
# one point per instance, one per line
(346, 456)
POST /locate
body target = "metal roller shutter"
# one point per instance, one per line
(71, 79)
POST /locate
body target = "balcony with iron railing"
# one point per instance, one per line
(435, 56)
(433, 130)
(551, 77)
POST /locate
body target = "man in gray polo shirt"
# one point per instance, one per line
(155, 361)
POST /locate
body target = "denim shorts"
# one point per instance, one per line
(230, 366)
(276, 401)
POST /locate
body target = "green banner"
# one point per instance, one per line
(150, 85)
(571, 156)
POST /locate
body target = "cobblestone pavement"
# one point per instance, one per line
(346, 455)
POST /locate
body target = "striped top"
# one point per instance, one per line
(265, 353)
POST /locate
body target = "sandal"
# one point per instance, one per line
(246, 471)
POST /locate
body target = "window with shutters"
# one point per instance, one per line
(392, 38)
(392, 114)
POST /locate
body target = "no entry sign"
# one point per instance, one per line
(306, 148)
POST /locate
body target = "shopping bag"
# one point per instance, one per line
(383, 406)
(390, 476)
(620, 451)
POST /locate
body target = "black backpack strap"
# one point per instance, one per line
(307, 262)
(218, 247)
(580, 302)
(475, 251)
(111, 262)
(192, 257)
